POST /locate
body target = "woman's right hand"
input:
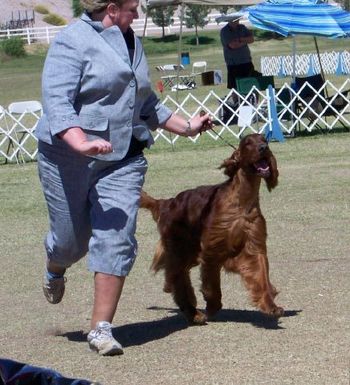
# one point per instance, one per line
(93, 147)
(77, 140)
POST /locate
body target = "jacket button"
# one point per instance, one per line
(132, 83)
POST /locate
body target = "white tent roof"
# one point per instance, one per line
(212, 3)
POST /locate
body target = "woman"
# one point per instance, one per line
(98, 112)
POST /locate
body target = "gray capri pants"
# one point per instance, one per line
(92, 207)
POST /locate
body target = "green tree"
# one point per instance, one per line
(161, 16)
(196, 16)
(224, 8)
(77, 8)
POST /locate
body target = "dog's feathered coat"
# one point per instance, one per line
(219, 226)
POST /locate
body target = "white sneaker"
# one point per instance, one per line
(101, 340)
(54, 289)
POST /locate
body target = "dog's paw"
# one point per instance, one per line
(199, 318)
(167, 288)
(276, 312)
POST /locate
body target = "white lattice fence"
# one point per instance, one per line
(17, 140)
(307, 64)
(18, 143)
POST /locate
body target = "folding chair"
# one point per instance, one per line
(250, 86)
(185, 82)
(245, 85)
(313, 103)
(170, 70)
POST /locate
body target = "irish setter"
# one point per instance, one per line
(218, 226)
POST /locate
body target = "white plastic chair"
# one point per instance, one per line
(25, 116)
(30, 106)
(198, 67)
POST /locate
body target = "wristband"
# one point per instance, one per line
(188, 128)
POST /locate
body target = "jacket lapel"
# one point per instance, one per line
(114, 38)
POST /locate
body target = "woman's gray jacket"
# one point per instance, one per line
(89, 82)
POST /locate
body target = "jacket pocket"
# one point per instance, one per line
(93, 123)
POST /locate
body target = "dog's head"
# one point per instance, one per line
(255, 158)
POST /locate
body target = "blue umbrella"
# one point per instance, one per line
(301, 17)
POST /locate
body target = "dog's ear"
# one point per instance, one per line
(272, 180)
(231, 165)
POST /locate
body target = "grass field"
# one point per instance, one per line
(21, 78)
(308, 225)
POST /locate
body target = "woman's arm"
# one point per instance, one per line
(180, 126)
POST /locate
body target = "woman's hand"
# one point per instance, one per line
(93, 147)
(77, 140)
(198, 124)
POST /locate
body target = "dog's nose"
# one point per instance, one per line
(262, 147)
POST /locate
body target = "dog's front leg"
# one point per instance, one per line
(254, 271)
(184, 296)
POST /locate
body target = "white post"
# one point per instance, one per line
(28, 36)
(47, 35)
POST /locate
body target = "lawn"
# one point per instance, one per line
(307, 218)
(21, 78)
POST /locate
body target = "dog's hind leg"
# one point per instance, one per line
(158, 263)
(255, 274)
(211, 288)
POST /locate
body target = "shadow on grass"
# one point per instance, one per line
(143, 332)
(202, 40)
(321, 132)
(254, 317)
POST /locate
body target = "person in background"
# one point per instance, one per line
(235, 38)
(99, 109)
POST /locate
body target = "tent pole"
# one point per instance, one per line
(145, 25)
(294, 60)
(179, 50)
(319, 60)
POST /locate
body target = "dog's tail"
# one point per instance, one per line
(151, 204)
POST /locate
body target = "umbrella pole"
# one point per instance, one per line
(321, 68)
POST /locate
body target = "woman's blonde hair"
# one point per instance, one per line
(99, 5)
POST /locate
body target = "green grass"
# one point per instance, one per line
(41, 9)
(21, 77)
(308, 245)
